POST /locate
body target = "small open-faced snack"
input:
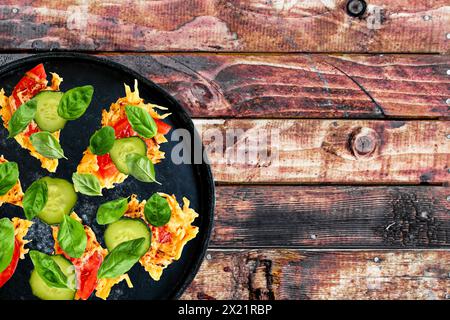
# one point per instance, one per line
(131, 133)
(35, 113)
(86, 264)
(10, 188)
(33, 82)
(170, 225)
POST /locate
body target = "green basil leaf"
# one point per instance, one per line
(35, 199)
(71, 237)
(141, 167)
(102, 141)
(7, 241)
(141, 121)
(22, 117)
(47, 145)
(121, 259)
(112, 211)
(74, 102)
(9, 174)
(157, 210)
(48, 270)
(87, 184)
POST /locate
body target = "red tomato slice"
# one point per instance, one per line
(106, 166)
(37, 72)
(32, 128)
(87, 274)
(163, 127)
(31, 84)
(9, 271)
(123, 129)
(86, 271)
(164, 235)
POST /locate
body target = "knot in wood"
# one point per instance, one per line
(364, 145)
(201, 93)
(356, 8)
(364, 142)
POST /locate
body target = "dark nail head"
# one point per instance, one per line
(356, 8)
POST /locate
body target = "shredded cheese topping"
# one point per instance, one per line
(104, 286)
(15, 195)
(168, 241)
(21, 228)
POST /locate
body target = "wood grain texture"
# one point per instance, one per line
(331, 217)
(326, 151)
(295, 274)
(300, 86)
(233, 25)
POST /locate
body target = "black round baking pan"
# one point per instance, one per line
(193, 181)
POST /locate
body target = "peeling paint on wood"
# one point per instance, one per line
(297, 274)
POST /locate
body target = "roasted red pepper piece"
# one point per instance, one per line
(87, 274)
(123, 129)
(163, 127)
(31, 84)
(9, 271)
(106, 166)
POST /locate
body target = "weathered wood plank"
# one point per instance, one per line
(300, 86)
(306, 86)
(331, 217)
(215, 25)
(296, 274)
(326, 151)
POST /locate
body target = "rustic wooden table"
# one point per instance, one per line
(359, 205)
